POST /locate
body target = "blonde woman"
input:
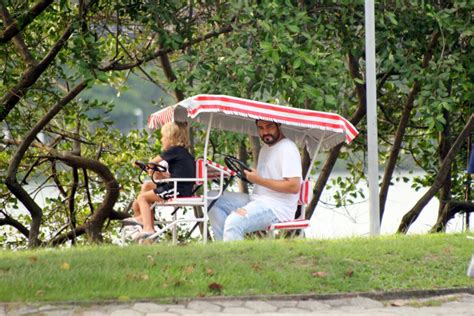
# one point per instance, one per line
(180, 164)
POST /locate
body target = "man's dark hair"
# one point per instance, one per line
(257, 120)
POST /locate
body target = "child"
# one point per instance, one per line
(180, 164)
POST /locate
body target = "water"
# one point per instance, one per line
(354, 220)
(330, 222)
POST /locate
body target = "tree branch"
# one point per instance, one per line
(16, 27)
(334, 152)
(8, 220)
(18, 40)
(402, 125)
(11, 181)
(31, 75)
(161, 52)
(438, 181)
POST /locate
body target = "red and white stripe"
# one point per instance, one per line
(305, 193)
(258, 110)
(266, 111)
(294, 224)
(161, 117)
(213, 172)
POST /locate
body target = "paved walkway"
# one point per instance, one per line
(453, 304)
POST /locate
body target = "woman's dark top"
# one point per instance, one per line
(180, 165)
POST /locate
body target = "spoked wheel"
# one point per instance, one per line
(238, 166)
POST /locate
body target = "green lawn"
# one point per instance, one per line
(243, 268)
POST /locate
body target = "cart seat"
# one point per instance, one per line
(299, 223)
(289, 225)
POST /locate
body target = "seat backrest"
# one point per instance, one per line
(306, 193)
(214, 170)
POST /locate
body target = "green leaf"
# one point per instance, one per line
(392, 19)
(297, 63)
(266, 46)
(293, 28)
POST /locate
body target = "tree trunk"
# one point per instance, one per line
(444, 145)
(255, 147)
(31, 75)
(15, 27)
(450, 209)
(11, 180)
(438, 181)
(243, 156)
(334, 152)
(400, 133)
(94, 226)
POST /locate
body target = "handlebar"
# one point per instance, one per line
(150, 166)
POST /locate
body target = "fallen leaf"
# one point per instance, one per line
(398, 303)
(137, 276)
(4, 271)
(39, 293)
(256, 267)
(189, 269)
(319, 274)
(215, 287)
(150, 258)
(33, 259)
(349, 273)
(209, 272)
(123, 298)
(65, 266)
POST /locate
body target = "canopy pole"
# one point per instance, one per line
(204, 191)
(313, 160)
(208, 133)
(308, 173)
(372, 140)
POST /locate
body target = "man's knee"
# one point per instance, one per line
(235, 220)
(241, 211)
(234, 228)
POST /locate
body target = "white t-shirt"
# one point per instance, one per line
(281, 160)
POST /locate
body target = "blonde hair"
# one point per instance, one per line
(176, 132)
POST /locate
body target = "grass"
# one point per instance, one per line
(243, 268)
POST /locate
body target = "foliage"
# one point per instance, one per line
(285, 52)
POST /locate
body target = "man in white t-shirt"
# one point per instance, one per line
(276, 188)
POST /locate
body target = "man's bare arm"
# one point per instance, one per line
(287, 185)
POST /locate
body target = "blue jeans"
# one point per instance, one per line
(228, 225)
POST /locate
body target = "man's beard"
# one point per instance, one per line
(270, 139)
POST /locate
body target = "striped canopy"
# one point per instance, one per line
(304, 127)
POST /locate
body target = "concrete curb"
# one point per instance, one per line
(379, 296)
(376, 295)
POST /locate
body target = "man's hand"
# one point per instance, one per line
(252, 175)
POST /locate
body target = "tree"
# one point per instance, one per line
(304, 54)
(99, 42)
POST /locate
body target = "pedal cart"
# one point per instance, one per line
(313, 129)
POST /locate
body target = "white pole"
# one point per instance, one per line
(372, 140)
(139, 116)
(205, 189)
